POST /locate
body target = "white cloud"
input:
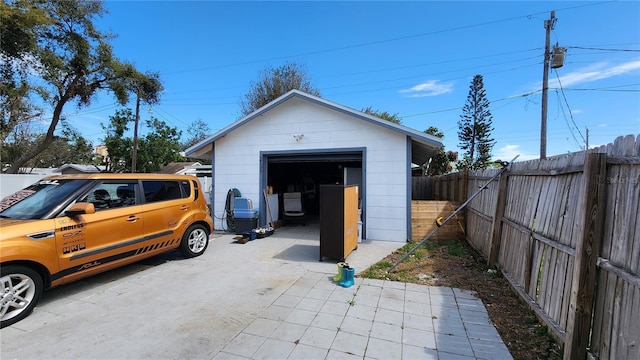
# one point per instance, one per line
(508, 152)
(598, 71)
(429, 88)
(594, 72)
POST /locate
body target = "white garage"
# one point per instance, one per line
(299, 142)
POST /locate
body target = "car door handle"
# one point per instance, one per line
(184, 207)
(133, 218)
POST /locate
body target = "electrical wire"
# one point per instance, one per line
(602, 49)
(383, 41)
(570, 112)
(564, 116)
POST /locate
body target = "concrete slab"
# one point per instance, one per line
(267, 299)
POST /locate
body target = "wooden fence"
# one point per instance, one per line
(565, 233)
(424, 214)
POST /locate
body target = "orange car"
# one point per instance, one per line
(67, 227)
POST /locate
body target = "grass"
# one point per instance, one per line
(380, 269)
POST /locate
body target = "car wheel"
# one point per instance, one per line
(21, 290)
(194, 241)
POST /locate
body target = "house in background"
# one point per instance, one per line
(202, 172)
(80, 169)
(298, 142)
(183, 167)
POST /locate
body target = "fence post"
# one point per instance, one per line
(465, 185)
(434, 190)
(589, 233)
(454, 187)
(496, 232)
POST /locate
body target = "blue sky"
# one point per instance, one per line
(416, 59)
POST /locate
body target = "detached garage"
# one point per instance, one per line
(299, 142)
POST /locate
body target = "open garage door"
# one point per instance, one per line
(304, 172)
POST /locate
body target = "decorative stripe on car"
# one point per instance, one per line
(89, 265)
(107, 248)
(124, 244)
(112, 258)
(157, 235)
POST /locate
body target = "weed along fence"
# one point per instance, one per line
(565, 233)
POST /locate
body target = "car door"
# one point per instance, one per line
(166, 212)
(112, 236)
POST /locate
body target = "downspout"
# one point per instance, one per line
(408, 188)
(212, 193)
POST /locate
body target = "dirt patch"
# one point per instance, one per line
(454, 263)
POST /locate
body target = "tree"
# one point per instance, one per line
(394, 118)
(18, 28)
(273, 83)
(61, 57)
(475, 127)
(70, 147)
(160, 147)
(198, 131)
(440, 163)
(432, 130)
(119, 148)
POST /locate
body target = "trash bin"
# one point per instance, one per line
(245, 216)
(244, 226)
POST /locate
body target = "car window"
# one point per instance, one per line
(195, 189)
(162, 190)
(111, 194)
(39, 199)
(186, 188)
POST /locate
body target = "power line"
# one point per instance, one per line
(383, 41)
(602, 49)
(569, 108)
(516, 97)
(388, 69)
(608, 88)
(443, 72)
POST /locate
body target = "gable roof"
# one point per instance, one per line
(423, 145)
(176, 167)
(80, 168)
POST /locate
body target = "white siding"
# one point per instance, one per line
(237, 159)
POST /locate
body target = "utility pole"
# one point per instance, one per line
(548, 25)
(586, 146)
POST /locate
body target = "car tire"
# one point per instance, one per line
(194, 241)
(22, 288)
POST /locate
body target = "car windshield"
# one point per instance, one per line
(38, 199)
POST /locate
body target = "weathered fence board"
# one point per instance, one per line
(542, 224)
(589, 234)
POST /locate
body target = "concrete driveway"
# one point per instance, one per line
(267, 299)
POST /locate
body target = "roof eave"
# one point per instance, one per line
(200, 149)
